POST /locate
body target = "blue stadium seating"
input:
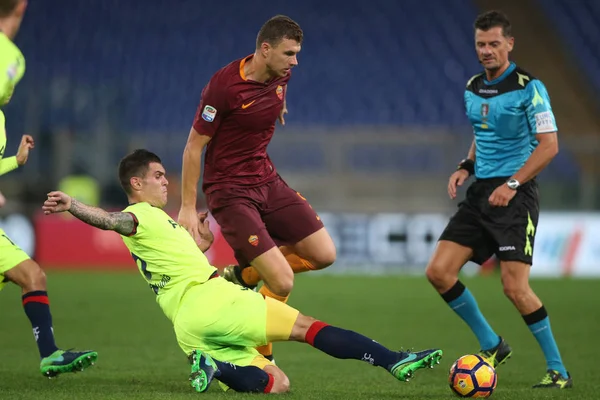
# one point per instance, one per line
(377, 62)
(144, 63)
(577, 22)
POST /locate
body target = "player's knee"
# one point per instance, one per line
(325, 257)
(438, 276)
(29, 276)
(281, 383)
(516, 291)
(301, 327)
(36, 278)
(283, 284)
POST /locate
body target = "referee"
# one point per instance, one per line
(515, 138)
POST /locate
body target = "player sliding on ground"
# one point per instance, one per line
(218, 324)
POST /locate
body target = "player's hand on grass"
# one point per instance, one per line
(206, 236)
(56, 202)
(501, 196)
(189, 220)
(456, 179)
(26, 144)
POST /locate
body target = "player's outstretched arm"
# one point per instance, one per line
(11, 163)
(190, 175)
(120, 222)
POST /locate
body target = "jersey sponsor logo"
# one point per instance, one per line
(209, 113)
(253, 240)
(279, 92)
(507, 248)
(544, 122)
(244, 106)
(488, 91)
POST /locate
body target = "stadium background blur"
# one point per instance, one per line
(376, 125)
(376, 120)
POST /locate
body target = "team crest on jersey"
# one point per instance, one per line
(209, 113)
(485, 110)
(279, 92)
(253, 240)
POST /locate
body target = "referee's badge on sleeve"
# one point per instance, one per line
(544, 122)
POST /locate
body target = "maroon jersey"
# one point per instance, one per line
(239, 115)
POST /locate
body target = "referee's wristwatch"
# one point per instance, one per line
(513, 184)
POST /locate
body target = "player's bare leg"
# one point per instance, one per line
(446, 263)
(32, 280)
(442, 272)
(515, 279)
(275, 272)
(316, 251)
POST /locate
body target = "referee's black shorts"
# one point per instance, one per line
(508, 232)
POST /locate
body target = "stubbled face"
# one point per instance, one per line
(493, 48)
(280, 59)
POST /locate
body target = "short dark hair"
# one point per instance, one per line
(278, 28)
(7, 7)
(493, 19)
(135, 164)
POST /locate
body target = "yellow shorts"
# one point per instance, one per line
(228, 322)
(11, 255)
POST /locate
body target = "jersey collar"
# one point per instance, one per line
(499, 79)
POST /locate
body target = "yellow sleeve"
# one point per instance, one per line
(8, 164)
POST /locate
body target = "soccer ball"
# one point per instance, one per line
(472, 376)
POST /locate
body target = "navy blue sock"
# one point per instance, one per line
(460, 299)
(340, 343)
(37, 308)
(244, 379)
(539, 325)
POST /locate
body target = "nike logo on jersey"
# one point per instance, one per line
(244, 106)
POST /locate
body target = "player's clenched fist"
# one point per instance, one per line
(501, 196)
(26, 144)
(56, 202)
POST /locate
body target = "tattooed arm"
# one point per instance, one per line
(120, 222)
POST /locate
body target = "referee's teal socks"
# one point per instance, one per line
(539, 325)
(460, 299)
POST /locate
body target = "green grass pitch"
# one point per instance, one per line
(116, 314)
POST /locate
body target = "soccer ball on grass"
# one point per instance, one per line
(472, 376)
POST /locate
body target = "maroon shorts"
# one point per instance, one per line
(255, 219)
